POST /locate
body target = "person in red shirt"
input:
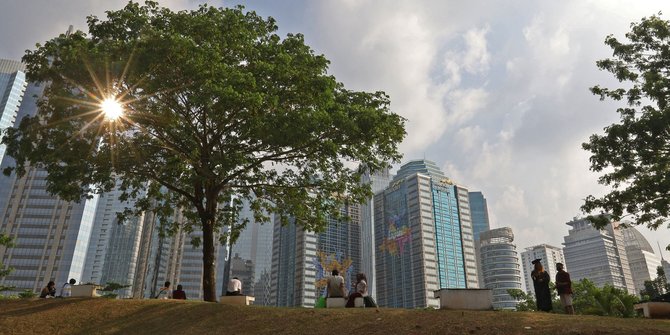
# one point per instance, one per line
(564, 288)
(179, 293)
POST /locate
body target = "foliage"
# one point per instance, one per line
(633, 155)
(27, 294)
(216, 104)
(589, 299)
(526, 301)
(656, 287)
(7, 242)
(110, 288)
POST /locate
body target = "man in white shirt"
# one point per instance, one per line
(234, 287)
(335, 285)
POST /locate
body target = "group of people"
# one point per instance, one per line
(165, 293)
(50, 290)
(336, 289)
(541, 281)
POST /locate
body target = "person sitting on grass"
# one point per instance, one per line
(49, 291)
(164, 292)
(66, 290)
(179, 293)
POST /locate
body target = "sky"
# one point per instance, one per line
(495, 92)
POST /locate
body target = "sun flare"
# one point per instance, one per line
(111, 108)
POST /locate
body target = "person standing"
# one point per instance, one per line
(541, 281)
(564, 288)
(234, 287)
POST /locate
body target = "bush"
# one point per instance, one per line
(27, 294)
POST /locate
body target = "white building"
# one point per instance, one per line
(549, 254)
(641, 258)
(599, 255)
(500, 265)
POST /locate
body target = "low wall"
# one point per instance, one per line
(654, 310)
(474, 299)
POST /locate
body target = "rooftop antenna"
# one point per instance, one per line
(660, 250)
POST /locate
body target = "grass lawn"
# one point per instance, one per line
(105, 316)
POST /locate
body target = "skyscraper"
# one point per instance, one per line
(51, 235)
(599, 255)
(500, 265)
(255, 245)
(480, 223)
(423, 237)
(301, 260)
(480, 213)
(378, 182)
(113, 250)
(550, 255)
(12, 86)
(641, 258)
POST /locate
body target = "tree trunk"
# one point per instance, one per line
(208, 261)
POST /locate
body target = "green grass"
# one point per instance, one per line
(106, 316)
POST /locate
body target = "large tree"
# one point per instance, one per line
(214, 104)
(634, 154)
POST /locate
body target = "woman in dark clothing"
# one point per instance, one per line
(541, 284)
(49, 291)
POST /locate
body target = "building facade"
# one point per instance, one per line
(500, 265)
(255, 245)
(378, 182)
(12, 87)
(480, 213)
(599, 255)
(549, 254)
(301, 260)
(641, 258)
(113, 250)
(423, 237)
(51, 235)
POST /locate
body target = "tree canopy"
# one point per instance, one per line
(214, 104)
(634, 154)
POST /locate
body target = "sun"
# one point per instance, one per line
(111, 108)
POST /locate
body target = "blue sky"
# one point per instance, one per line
(495, 92)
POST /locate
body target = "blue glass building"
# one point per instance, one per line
(480, 213)
(423, 237)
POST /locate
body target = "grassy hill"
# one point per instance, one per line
(104, 316)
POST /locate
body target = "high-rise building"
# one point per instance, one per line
(500, 265)
(51, 235)
(113, 250)
(599, 255)
(255, 245)
(641, 258)
(550, 255)
(12, 86)
(378, 182)
(480, 213)
(301, 260)
(480, 223)
(423, 237)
